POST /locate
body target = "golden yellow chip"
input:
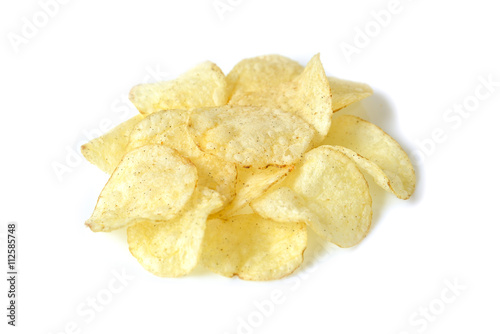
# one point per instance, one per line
(250, 136)
(307, 95)
(203, 86)
(254, 74)
(253, 248)
(107, 150)
(169, 127)
(375, 152)
(329, 193)
(252, 183)
(345, 92)
(172, 248)
(152, 182)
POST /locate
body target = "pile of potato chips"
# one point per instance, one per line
(228, 171)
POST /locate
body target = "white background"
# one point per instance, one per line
(71, 76)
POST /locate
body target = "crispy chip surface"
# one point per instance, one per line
(375, 152)
(252, 183)
(253, 74)
(107, 150)
(165, 127)
(253, 248)
(172, 248)
(283, 205)
(169, 127)
(328, 192)
(152, 182)
(307, 95)
(203, 86)
(250, 136)
(345, 92)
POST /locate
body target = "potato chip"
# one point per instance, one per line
(172, 248)
(375, 152)
(262, 73)
(283, 205)
(203, 86)
(107, 150)
(152, 182)
(252, 183)
(169, 127)
(165, 127)
(216, 174)
(329, 193)
(345, 92)
(307, 95)
(250, 136)
(254, 74)
(253, 248)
